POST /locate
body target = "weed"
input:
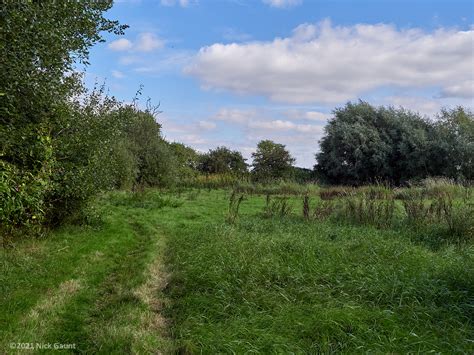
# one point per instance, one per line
(366, 210)
(277, 206)
(306, 207)
(234, 204)
(333, 192)
(324, 209)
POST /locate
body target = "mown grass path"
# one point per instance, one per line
(165, 273)
(99, 289)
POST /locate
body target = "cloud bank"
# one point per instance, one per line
(326, 64)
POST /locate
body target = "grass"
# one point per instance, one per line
(188, 272)
(86, 286)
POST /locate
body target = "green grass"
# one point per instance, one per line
(166, 272)
(84, 286)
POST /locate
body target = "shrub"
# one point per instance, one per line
(22, 200)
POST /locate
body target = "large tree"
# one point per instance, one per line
(272, 161)
(363, 144)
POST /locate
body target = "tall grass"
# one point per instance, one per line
(439, 206)
(277, 206)
(234, 205)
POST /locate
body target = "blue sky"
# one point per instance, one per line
(233, 72)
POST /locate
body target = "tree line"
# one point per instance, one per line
(61, 144)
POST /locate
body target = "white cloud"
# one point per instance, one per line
(207, 125)
(282, 3)
(307, 115)
(422, 105)
(147, 42)
(121, 44)
(235, 115)
(182, 3)
(117, 74)
(323, 63)
(464, 89)
(285, 126)
(316, 116)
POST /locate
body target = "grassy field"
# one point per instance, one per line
(175, 272)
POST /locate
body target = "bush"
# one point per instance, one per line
(22, 200)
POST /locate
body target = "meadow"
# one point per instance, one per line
(286, 269)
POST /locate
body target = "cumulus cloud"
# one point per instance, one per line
(282, 3)
(121, 44)
(248, 127)
(322, 63)
(145, 42)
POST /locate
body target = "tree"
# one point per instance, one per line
(222, 160)
(271, 161)
(452, 146)
(187, 160)
(363, 144)
(153, 156)
(40, 44)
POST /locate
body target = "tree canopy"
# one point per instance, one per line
(272, 161)
(222, 160)
(364, 144)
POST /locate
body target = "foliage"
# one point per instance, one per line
(271, 161)
(277, 206)
(154, 160)
(222, 160)
(452, 149)
(187, 161)
(365, 144)
(40, 45)
(234, 205)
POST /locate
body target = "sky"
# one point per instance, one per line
(234, 72)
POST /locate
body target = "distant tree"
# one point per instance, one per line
(271, 161)
(154, 158)
(303, 175)
(187, 160)
(223, 160)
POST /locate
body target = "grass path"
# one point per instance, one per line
(97, 288)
